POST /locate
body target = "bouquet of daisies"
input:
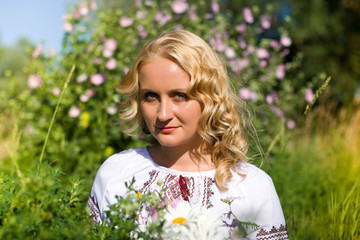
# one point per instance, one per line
(153, 216)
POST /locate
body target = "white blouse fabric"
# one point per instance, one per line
(254, 196)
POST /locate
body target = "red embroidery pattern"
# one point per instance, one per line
(275, 233)
(176, 189)
(93, 206)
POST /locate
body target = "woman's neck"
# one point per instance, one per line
(181, 158)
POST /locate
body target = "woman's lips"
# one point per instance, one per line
(167, 129)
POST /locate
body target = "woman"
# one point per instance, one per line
(177, 93)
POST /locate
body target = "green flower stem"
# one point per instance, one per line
(56, 109)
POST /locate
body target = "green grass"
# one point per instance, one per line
(317, 179)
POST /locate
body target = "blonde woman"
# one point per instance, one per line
(177, 94)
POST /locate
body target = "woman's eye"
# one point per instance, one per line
(150, 96)
(180, 95)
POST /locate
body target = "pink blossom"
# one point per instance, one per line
(241, 42)
(290, 124)
(83, 8)
(285, 41)
(107, 53)
(263, 63)
(37, 51)
(110, 44)
(241, 28)
(285, 52)
(34, 81)
(76, 15)
(251, 49)
(262, 53)
(74, 112)
(93, 5)
(111, 64)
(142, 32)
(272, 98)
(309, 95)
(138, 3)
(111, 109)
(97, 61)
(126, 70)
(192, 14)
(82, 78)
(56, 91)
(68, 27)
(90, 92)
(238, 65)
(280, 71)
(215, 6)
(97, 79)
(51, 53)
(247, 94)
(141, 14)
(84, 98)
(265, 22)
(125, 21)
(209, 15)
(148, 2)
(275, 44)
(248, 17)
(230, 53)
(179, 6)
(277, 111)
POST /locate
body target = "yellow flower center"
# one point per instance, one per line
(138, 194)
(179, 220)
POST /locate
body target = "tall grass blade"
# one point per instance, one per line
(56, 109)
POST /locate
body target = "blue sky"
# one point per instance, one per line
(37, 20)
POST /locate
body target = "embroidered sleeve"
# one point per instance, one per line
(278, 233)
(93, 206)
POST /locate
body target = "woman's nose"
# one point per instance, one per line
(165, 111)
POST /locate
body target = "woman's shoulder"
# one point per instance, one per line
(123, 164)
(253, 178)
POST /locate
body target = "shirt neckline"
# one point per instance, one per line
(209, 173)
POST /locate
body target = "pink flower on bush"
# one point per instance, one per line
(126, 70)
(241, 42)
(97, 79)
(37, 51)
(142, 32)
(90, 92)
(74, 112)
(68, 27)
(285, 52)
(107, 53)
(290, 124)
(84, 98)
(76, 14)
(309, 95)
(56, 91)
(272, 98)
(34, 81)
(215, 6)
(230, 53)
(83, 8)
(275, 44)
(110, 44)
(241, 28)
(285, 41)
(141, 14)
(126, 22)
(263, 63)
(111, 110)
(247, 94)
(82, 78)
(262, 53)
(179, 6)
(97, 61)
(93, 5)
(265, 22)
(277, 111)
(110, 64)
(237, 65)
(280, 71)
(248, 17)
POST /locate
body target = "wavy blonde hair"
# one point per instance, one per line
(222, 122)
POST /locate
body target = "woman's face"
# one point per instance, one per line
(170, 115)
